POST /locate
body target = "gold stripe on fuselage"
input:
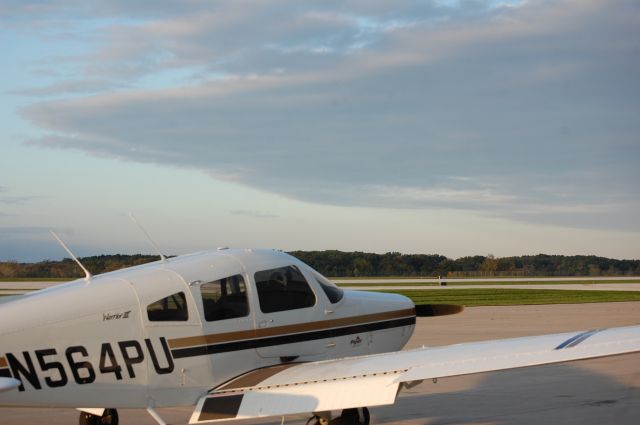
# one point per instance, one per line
(253, 378)
(3, 362)
(288, 329)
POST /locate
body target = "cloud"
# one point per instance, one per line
(12, 200)
(251, 213)
(29, 243)
(68, 87)
(13, 231)
(527, 112)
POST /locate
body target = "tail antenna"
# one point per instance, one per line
(87, 275)
(153, 244)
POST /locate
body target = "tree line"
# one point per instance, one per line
(68, 268)
(362, 264)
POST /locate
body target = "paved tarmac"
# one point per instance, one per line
(588, 392)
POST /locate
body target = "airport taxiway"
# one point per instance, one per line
(18, 288)
(586, 392)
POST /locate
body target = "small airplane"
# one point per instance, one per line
(239, 334)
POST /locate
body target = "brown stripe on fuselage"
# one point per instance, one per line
(3, 362)
(288, 329)
(253, 378)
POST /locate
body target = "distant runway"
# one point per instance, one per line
(587, 392)
(408, 280)
(21, 287)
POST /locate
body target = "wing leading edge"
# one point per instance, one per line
(376, 380)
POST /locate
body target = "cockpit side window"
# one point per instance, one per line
(224, 299)
(334, 293)
(169, 309)
(283, 289)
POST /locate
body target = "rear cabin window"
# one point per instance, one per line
(283, 289)
(334, 293)
(170, 309)
(224, 299)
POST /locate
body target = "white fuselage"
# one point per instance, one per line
(165, 333)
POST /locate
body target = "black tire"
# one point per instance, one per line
(317, 420)
(109, 417)
(88, 419)
(359, 416)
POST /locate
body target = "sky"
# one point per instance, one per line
(469, 127)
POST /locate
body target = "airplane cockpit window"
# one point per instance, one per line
(169, 309)
(334, 293)
(224, 299)
(283, 289)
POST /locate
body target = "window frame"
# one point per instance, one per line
(257, 284)
(247, 301)
(169, 298)
(326, 285)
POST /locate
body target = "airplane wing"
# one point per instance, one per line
(376, 380)
(8, 298)
(7, 384)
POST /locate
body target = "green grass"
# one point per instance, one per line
(496, 282)
(36, 279)
(555, 282)
(452, 278)
(489, 297)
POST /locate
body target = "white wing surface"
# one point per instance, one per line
(376, 380)
(7, 384)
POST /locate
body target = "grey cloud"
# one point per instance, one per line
(528, 113)
(68, 87)
(27, 250)
(34, 243)
(252, 213)
(47, 9)
(11, 200)
(229, 36)
(8, 231)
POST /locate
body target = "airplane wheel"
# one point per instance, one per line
(317, 420)
(359, 416)
(88, 419)
(109, 417)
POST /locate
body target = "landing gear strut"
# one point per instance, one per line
(109, 417)
(359, 416)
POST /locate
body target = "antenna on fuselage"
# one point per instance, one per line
(153, 244)
(87, 275)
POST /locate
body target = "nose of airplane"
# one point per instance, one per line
(392, 318)
(377, 302)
